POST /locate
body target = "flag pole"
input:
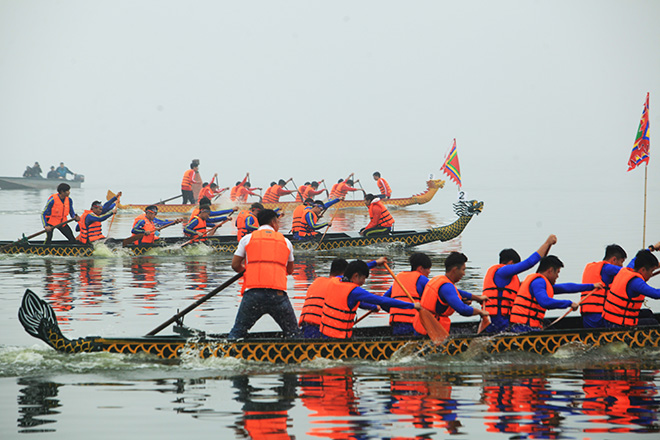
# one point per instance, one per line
(646, 168)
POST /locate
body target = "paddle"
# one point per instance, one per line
(196, 303)
(206, 233)
(114, 214)
(43, 231)
(328, 228)
(167, 200)
(485, 322)
(569, 311)
(135, 237)
(363, 316)
(437, 333)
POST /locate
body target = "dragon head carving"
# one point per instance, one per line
(468, 208)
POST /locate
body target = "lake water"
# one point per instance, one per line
(575, 394)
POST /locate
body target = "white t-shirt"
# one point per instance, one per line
(240, 250)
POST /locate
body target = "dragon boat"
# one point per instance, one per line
(228, 243)
(370, 343)
(432, 187)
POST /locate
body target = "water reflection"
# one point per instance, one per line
(37, 399)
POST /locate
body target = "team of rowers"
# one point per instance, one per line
(204, 222)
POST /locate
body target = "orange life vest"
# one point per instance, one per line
(206, 192)
(409, 281)
(267, 255)
(312, 309)
(232, 192)
(499, 300)
(333, 191)
(591, 275)
(59, 211)
(148, 227)
(195, 213)
(384, 187)
(526, 309)
(300, 196)
(306, 230)
(338, 320)
(342, 189)
(186, 182)
(89, 233)
(430, 298)
(298, 218)
(385, 219)
(270, 196)
(241, 223)
(200, 227)
(619, 308)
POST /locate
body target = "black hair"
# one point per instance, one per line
(356, 267)
(205, 184)
(96, 203)
(256, 205)
(204, 201)
(247, 183)
(614, 250)
(62, 187)
(308, 201)
(281, 182)
(213, 185)
(153, 208)
(237, 183)
(369, 197)
(273, 183)
(549, 262)
(349, 182)
(376, 173)
(419, 259)
(193, 165)
(315, 184)
(645, 259)
(455, 259)
(265, 216)
(507, 255)
(340, 180)
(338, 267)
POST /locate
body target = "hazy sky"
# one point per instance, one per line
(131, 91)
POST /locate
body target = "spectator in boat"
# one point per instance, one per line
(90, 221)
(276, 191)
(312, 310)
(148, 226)
(58, 207)
(62, 170)
(381, 221)
(536, 295)
(442, 297)
(36, 170)
(246, 222)
(501, 283)
(623, 303)
(414, 280)
(266, 256)
(52, 174)
(187, 183)
(344, 298)
(28, 171)
(383, 186)
(591, 306)
(203, 225)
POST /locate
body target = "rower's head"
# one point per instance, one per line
(238, 183)
(63, 189)
(455, 266)
(314, 184)
(317, 207)
(268, 217)
(376, 175)
(338, 267)
(421, 263)
(194, 165)
(255, 208)
(614, 254)
(308, 201)
(204, 201)
(645, 263)
(509, 256)
(368, 198)
(349, 182)
(273, 183)
(356, 272)
(151, 211)
(204, 212)
(550, 267)
(340, 180)
(213, 185)
(281, 182)
(97, 207)
(246, 184)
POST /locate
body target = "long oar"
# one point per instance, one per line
(167, 200)
(328, 228)
(43, 231)
(437, 333)
(196, 303)
(206, 233)
(114, 214)
(363, 316)
(135, 237)
(485, 322)
(569, 310)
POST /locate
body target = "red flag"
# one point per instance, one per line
(451, 167)
(640, 151)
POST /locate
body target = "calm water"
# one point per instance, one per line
(575, 394)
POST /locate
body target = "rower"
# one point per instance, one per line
(591, 308)
(246, 222)
(310, 225)
(442, 297)
(414, 281)
(381, 221)
(501, 283)
(536, 293)
(58, 207)
(298, 216)
(148, 225)
(234, 189)
(302, 190)
(198, 228)
(210, 191)
(205, 202)
(312, 310)
(266, 256)
(344, 298)
(90, 222)
(623, 303)
(187, 183)
(312, 190)
(344, 187)
(276, 191)
(244, 191)
(333, 190)
(383, 186)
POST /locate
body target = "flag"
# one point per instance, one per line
(640, 151)
(451, 167)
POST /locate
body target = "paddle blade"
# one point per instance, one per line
(437, 333)
(132, 239)
(485, 322)
(109, 195)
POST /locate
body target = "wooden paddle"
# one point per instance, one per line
(167, 200)
(194, 305)
(437, 333)
(328, 228)
(43, 231)
(485, 322)
(135, 237)
(363, 316)
(569, 311)
(114, 214)
(206, 233)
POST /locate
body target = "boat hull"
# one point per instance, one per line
(35, 183)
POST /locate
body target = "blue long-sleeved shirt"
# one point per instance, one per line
(139, 226)
(369, 301)
(448, 293)
(105, 213)
(211, 221)
(608, 272)
(311, 223)
(504, 274)
(419, 286)
(537, 288)
(49, 208)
